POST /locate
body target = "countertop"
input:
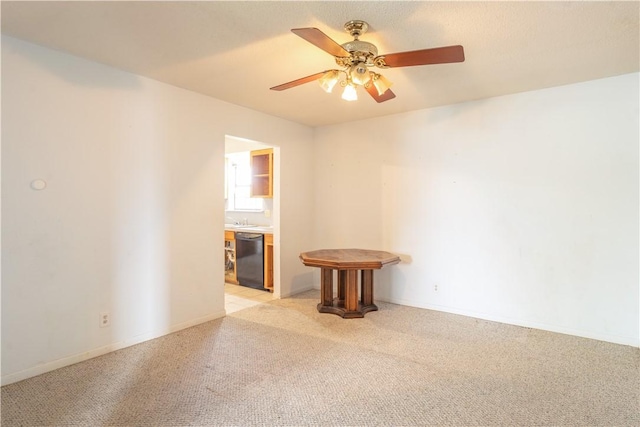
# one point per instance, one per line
(264, 229)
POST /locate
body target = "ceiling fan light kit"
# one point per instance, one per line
(357, 57)
(329, 80)
(359, 73)
(350, 93)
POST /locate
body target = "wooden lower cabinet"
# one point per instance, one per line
(268, 262)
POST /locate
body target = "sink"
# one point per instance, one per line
(240, 226)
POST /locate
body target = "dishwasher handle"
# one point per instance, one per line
(248, 236)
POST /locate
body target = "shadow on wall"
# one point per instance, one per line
(90, 74)
(389, 283)
(304, 282)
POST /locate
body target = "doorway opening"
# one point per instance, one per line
(252, 206)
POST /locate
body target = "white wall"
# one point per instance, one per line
(131, 221)
(521, 209)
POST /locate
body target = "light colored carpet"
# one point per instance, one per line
(283, 363)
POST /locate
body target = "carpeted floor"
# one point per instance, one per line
(283, 363)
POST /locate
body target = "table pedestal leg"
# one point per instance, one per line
(326, 286)
(366, 284)
(342, 280)
(351, 291)
(347, 304)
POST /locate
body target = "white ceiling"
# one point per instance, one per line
(236, 51)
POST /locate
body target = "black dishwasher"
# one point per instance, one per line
(250, 260)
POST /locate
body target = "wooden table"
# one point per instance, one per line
(347, 262)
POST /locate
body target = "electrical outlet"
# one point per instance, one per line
(105, 319)
(267, 213)
(435, 287)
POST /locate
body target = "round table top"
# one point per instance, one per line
(348, 259)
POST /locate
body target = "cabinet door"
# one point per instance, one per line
(262, 173)
(268, 261)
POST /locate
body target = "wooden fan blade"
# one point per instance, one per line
(438, 55)
(321, 40)
(379, 98)
(299, 81)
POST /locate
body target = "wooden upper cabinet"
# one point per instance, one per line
(262, 173)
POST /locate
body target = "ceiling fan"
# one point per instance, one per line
(357, 56)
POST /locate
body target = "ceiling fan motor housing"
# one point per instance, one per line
(360, 51)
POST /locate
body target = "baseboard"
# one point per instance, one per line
(71, 360)
(614, 339)
(298, 291)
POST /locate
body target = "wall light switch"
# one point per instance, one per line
(267, 213)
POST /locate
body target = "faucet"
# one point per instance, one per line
(235, 222)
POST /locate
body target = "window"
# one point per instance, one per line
(238, 183)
